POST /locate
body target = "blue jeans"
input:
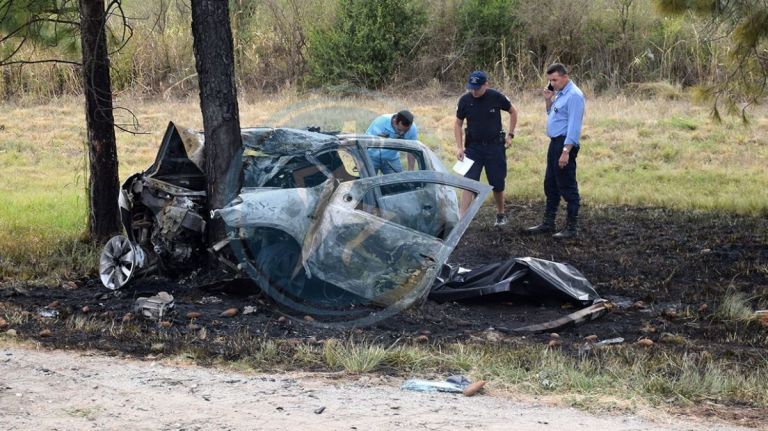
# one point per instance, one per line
(385, 161)
(561, 182)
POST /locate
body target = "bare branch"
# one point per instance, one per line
(53, 60)
(9, 56)
(33, 21)
(134, 123)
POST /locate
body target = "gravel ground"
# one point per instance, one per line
(60, 390)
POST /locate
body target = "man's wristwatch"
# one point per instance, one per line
(566, 150)
(511, 134)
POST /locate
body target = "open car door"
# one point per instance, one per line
(364, 247)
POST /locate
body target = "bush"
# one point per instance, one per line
(365, 44)
(489, 29)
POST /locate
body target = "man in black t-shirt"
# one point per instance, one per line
(485, 140)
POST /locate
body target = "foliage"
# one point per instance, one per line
(745, 24)
(489, 29)
(366, 43)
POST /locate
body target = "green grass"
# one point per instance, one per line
(624, 375)
(653, 152)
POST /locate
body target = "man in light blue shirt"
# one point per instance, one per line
(565, 112)
(398, 126)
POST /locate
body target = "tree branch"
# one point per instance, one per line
(53, 60)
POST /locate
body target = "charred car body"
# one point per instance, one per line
(312, 224)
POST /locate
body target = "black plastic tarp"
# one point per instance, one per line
(526, 277)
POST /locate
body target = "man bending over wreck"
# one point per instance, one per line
(398, 126)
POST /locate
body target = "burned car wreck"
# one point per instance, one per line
(313, 225)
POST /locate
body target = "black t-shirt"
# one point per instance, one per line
(483, 115)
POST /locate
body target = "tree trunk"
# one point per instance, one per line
(214, 61)
(103, 187)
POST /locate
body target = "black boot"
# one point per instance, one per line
(546, 226)
(571, 229)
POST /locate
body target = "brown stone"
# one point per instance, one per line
(554, 335)
(309, 318)
(85, 309)
(3, 323)
(10, 332)
(45, 333)
(422, 339)
(554, 343)
(591, 338)
(194, 315)
(645, 342)
(54, 304)
(474, 388)
(229, 312)
(71, 285)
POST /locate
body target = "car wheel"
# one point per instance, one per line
(278, 264)
(118, 261)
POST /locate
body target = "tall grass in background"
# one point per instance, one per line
(607, 43)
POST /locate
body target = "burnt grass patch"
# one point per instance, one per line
(665, 272)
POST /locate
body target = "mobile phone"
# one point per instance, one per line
(550, 87)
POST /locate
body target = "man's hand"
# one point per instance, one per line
(563, 160)
(548, 95)
(460, 154)
(508, 141)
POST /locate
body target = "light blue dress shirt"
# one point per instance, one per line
(382, 127)
(565, 115)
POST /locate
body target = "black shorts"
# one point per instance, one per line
(493, 158)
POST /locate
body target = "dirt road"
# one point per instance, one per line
(41, 389)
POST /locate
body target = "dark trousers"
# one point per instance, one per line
(561, 182)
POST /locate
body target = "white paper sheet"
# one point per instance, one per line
(462, 166)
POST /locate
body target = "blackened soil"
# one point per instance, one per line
(665, 272)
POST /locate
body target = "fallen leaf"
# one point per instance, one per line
(474, 388)
(645, 342)
(554, 343)
(45, 333)
(309, 318)
(591, 338)
(229, 312)
(194, 315)
(3, 323)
